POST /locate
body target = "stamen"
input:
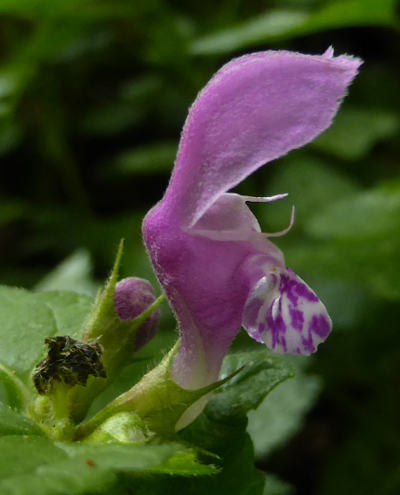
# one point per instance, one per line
(264, 199)
(285, 231)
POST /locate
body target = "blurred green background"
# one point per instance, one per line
(93, 95)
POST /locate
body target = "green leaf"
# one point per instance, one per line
(221, 429)
(11, 210)
(13, 80)
(158, 157)
(66, 9)
(366, 215)
(336, 294)
(233, 445)
(251, 32)
(275, 486)
(69, 310)
(297, 174)
(277, 25)
(262, 372)
(108, 119)
(356, 130)
(281, 414)
(74, 274)
(372, 265)
(12, 423)
(28, 318)
(36, 466)
(147, 358)
(157, 399)
(10, 136)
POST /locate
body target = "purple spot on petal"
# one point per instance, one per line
(283, 343)
(276, 324)
(320, 325)
(261, 327)
(308, 344)
(294, 288)
(297, 318)
(304, 292)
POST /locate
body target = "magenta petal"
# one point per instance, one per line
(207, 280)
(255, 109)
(206, 289)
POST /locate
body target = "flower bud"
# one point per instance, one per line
(121, 321)
(132, 296)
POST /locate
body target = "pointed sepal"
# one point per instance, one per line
(160, 403)
(116, 336)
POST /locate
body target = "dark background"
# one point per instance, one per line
(93, 95)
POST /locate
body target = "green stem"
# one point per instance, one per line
(52, 413)
(156, 399)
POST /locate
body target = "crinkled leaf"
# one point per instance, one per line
(12, 423)
(262, 372)
(221, 429)
(32, 465)
(233, 445)
(28, 318)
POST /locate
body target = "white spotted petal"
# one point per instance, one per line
(284, 313)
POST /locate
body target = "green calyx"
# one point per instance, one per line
(74, 371)
(156, 399)
(116, 338)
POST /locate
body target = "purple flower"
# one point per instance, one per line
(132, 296)
(219, 271)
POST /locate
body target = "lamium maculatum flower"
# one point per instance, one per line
(218, 270)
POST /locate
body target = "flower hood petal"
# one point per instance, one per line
(255, 109)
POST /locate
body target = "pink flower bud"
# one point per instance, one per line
(132, 296)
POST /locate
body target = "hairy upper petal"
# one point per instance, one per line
(255, 109)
